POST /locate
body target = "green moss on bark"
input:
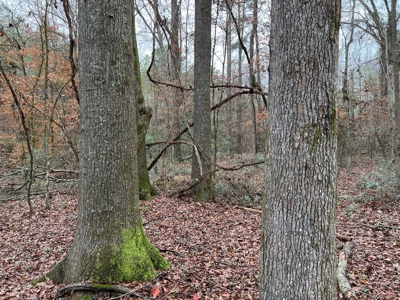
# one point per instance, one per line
(134, 259)
(146, 190)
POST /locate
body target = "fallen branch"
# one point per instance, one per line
(344, 285)
(377, 227)
(343, 238)
(250, 209)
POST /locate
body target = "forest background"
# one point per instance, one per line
(39, 97)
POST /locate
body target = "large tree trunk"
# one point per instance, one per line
(109, 244)
(299, 208)
(201, 167)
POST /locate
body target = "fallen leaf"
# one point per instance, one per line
(155, 292)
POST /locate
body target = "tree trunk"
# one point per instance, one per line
(239, 145)
(201, 167)
(253, 79)
(394, 50)
(109, 244)
(229, 74)
(143, 116)
(299, 207)
(176, 73)
(346, 92)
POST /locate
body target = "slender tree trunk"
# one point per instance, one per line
(383, 78)
(345, 90)
(299, 207)
(176, 73)
(253, 79)
(109, 244)
(143, 116)
(239, 146)
(229, 73)
(201, 167)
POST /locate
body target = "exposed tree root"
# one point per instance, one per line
(94, 288)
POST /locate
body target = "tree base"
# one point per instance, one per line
(135, 259)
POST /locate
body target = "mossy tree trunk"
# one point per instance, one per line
(298, 253)
(110, 244)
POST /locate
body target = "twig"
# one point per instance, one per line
(379, 226)
(167, 250)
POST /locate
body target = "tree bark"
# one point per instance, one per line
(299, 207)
(109, 244)
(202, 168)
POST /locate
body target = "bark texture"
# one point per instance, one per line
(299, 206)
(201, 167)
(109, 244)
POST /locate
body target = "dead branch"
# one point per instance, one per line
(74, 69)
(344, 285)
(343, 238)
(249, 209)
(178, 136)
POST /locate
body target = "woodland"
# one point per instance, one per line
(202, 209)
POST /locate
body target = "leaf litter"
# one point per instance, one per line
(213, 247)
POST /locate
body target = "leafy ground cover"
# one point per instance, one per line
(213, 247)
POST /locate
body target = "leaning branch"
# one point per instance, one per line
(27, 136)
(74, 69)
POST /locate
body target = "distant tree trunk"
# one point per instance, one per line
(299, 207)
(240, 82)
(110, 244)
(394, 50)
(143, 116)
(253, 79)
(229, 73)
(176, 73)
(201, 167)
(383, 81)
(345, 89)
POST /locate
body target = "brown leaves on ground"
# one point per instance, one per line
(213, 248)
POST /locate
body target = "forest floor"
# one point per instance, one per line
(213, 247)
